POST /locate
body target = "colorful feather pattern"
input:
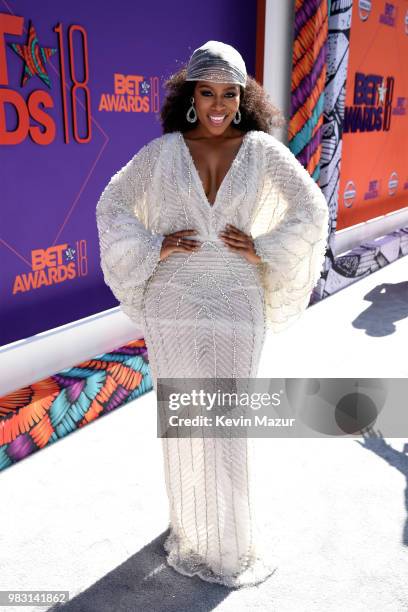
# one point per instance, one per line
(41, 413)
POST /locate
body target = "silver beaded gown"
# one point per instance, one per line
(204, 314)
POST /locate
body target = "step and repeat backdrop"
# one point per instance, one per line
(81, 86)
(374, 160)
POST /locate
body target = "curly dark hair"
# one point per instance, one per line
(257, 111)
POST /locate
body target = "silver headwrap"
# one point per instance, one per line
(218, 62)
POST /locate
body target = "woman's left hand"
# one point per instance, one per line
(238, 241)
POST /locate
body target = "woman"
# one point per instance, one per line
(211, 233)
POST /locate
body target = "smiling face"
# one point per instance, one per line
(216, 105)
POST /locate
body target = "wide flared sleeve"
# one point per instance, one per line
(294, 213)
(129, 250)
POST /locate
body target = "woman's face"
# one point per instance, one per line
(216, 104)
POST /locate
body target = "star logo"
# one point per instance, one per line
(381, 89)
(145, 87)
(69, 253)
(34, 56)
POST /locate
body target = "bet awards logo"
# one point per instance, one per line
(132, 93)
(389, 16)
(52, 266)
(372, 104)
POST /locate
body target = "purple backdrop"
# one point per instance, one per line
(50, 273)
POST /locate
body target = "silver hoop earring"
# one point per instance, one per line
(192, 119)
(237, 117)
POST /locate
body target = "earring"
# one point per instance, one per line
(192, 119)
(237, 117)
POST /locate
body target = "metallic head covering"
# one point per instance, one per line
(218, 62)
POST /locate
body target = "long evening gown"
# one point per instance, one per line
(204, 314)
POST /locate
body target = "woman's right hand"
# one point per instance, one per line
(185, 245)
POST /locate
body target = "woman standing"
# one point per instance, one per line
(211, 233)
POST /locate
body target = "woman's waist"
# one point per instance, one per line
(211, 250)
(209, 262)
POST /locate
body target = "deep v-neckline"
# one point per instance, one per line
(197, 176)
